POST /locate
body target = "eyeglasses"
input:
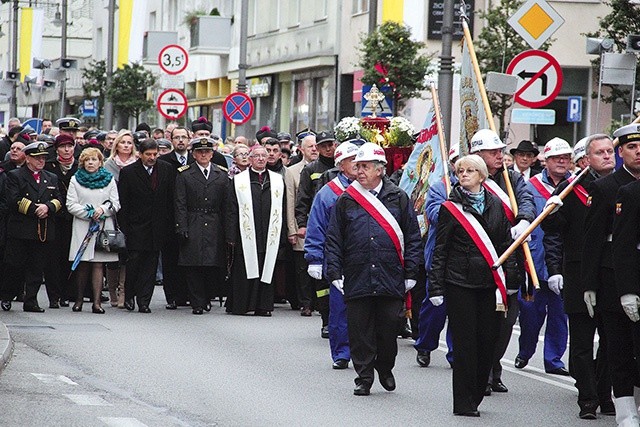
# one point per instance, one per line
(180, 137)
(468, 171)
(243, 155)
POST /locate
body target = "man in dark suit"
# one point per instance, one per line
(146, 197)
(173, 276)
(32, 200)
(524, 156)
(201, 193)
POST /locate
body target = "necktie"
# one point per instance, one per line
(183, 160)
(150, 170)
(374, 192)
(206, 173)
(260, 178)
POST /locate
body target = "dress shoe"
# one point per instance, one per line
(77, 307)
(423, 358)
(558, 371)
(97, 309)
(387, 381)
(306, 312)
(207, 307)
(197, 310)
(144, 309)
(499, 387)
(520, 362)
(171, 306)
(362, 390)
(468, 413)
(607, 408)
(340, 364)
(104, 298)
(33, 309)
(130, 304)
(324, 332)
(487, 390)
(588, 411)
(6, 305)
(405, 331)
(54, 304)
(263, 313)
(64, 303)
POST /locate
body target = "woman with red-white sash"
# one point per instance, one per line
(472, 230)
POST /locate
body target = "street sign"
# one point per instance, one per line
(237, 108)
(36, 124)
(89, 108)
(540, 78)
(170, 81)
(530, 116)
(172, 104)
(574, 109)
(535, 22)
(385, 108)
(173, 59)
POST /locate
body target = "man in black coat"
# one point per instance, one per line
(146, 197)
(32, 199)
(598, 277)
(200, 202)
(563, 237)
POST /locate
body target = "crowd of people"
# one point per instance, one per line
(316, 223)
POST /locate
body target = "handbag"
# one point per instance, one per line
(110, 240)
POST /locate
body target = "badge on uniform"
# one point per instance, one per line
(588, 201)
(618, 208)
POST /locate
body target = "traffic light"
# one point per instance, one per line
(68, 63)
(633, 43)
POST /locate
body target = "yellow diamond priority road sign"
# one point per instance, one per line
(535, 22)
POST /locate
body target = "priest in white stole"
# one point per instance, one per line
(255, 221)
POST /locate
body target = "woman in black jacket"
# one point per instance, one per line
(476, 295)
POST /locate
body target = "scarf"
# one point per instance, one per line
(121, 163)
(99, 179)
(476, 200)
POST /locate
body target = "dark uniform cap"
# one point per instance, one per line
(63, 139)
(91, 134)
(143, 127)
(203, 143)
(284, 136)
(628, 133)
(43, 137)
(36, 149)
(201, 124)
(24, 138)
(102, 136)
(265, 131)
(68, 123)
(304, 133)
(325, 136)
(29, 130)
(15, 130)
(139, 136)
(526, 147)
(163, 143)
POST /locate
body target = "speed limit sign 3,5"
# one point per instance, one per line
(173, 59)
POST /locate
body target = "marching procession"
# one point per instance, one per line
(315, 222)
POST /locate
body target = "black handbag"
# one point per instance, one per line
(110, 240)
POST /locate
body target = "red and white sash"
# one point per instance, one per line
(483, 242)
(336, 186)
(381, 214)
(581, 193)
(495, 189)
(543, 188)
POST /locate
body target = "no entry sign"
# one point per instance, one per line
(540, 78)
(237, 108)
(172, 104)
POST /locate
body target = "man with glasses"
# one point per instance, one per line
(524, 156)
(547, 303)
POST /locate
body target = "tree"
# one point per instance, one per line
(94, 82)
(128, 91)
(623, 20)
(496, 45)
(392, 61)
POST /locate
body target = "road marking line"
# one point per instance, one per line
(121, 422)
(52, 379)
(87, 400)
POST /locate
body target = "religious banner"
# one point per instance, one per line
(473, 116)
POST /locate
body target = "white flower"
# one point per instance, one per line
(347, 128)
(400, 124)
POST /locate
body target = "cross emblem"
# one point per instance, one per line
(374, 97)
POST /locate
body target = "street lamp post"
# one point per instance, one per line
(13, 102)
(63, 54)
(108, 105)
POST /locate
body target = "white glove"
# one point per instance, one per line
(519, 228)
(315, 271)
(590, 300)
(512, 291)
(630, 304)
(409, 284)
(556, 282)
(436, 301)
(339, 284)
(556, 200)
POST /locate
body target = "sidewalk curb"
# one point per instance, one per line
(6, 346)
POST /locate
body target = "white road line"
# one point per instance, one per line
(87, 400)
(52, 379)
(121, 422)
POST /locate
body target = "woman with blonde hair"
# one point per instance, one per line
(123, 153)
(92, 195)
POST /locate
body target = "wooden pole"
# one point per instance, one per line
(443, 150)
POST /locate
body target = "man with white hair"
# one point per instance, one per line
(372, 253)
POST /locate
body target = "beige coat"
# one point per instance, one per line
(291, 182)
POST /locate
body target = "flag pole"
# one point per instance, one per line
(547, 210)
(441, 138)
(492, 126)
